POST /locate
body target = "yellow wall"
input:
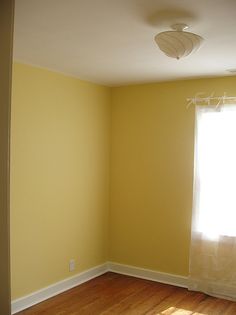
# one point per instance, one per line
(60, 150)
(152, 170)
(60, 175)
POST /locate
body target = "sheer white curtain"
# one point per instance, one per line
(213, 242)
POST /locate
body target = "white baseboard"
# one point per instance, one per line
(179, 281)
(64, 285)
(59, 287)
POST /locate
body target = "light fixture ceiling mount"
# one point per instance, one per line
(178, 43)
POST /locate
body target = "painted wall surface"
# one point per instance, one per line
(60, 161)
(152, 172)
(64, 204)
(6, 40)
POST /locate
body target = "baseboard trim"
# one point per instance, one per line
(179, 281)
(64, 285)
(59, 287)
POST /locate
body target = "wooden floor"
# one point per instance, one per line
(117, 294)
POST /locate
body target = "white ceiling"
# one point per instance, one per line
(112, 41)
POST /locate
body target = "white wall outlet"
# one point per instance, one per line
(72, 265)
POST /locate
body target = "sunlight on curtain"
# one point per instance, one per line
(213, 245)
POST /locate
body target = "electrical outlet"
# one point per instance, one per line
(72, 265)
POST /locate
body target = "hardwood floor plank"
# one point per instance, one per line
(142, 301)
(170, 302)
(212, 306)
(186, 305)
(71, 296)
(113, 294)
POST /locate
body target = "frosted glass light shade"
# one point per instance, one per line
(178, 44)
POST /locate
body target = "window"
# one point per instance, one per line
(215, 176)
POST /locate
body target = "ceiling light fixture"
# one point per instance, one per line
(178, 43)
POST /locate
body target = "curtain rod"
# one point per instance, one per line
(217, 100)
